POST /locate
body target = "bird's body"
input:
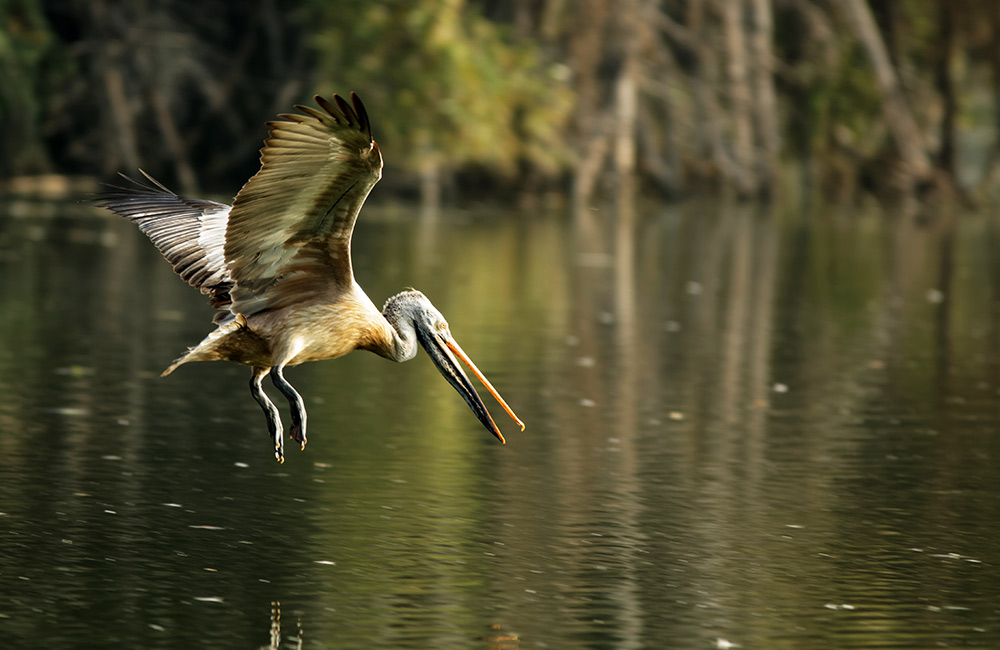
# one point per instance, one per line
(296, 334)
(277, 263)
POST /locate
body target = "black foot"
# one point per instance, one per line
(298, 434)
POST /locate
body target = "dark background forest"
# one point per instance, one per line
(477, 98)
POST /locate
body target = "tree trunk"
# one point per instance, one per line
(886, 16)
(430, 189)
(627, 99)
(586, 50)
(429, 173)
(898, 118)
(995, 61)
(123, 126)
(945, 83)
(175, 143)
(741, 112)
(588, 168)
(985, 179)
(703, 78)
(765, 104)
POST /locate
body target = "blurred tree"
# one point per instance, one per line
(449, 87)
(29, 61)
(131, 83)
(592, 96)
(898, 115)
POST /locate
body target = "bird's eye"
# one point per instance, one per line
(442, 326)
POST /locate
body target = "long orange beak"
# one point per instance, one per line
(445, 352)
(460, 353)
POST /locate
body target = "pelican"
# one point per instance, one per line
(277, 263)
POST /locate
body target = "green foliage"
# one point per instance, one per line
(444, 82)
(847, 99)
(90, 87)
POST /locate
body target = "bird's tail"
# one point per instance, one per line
(178, 361)
(213, 348)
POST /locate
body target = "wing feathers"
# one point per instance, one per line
(309, 111)
(359, 108)
(345, 108)
(188, 232)
(331, 110)
(287, 238)
(289, 232)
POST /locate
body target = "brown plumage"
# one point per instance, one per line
(277, 264)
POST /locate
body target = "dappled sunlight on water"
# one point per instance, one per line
(743, 429)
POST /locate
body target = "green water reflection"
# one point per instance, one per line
(764, 429)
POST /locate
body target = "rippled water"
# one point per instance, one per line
(745, 429)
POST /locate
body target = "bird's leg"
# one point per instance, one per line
(270, 411)
(298, 407)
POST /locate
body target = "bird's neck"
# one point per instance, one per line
(400, 343)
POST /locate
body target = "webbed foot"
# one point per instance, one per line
(298, 434)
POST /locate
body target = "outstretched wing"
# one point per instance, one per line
(289, 235)
(190, 233)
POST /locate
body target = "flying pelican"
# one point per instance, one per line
(277, 263)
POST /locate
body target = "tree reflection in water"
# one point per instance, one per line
(763, 427)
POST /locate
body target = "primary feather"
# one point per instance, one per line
(190, 233)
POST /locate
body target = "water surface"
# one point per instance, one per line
(765, 429)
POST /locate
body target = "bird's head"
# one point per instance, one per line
(434, 335)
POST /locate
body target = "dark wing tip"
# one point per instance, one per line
(136, 187)
(362, 114)
(342, 112)
(153, 183)
(334, 112)
(346, 109)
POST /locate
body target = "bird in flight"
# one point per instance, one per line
(277, 263)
